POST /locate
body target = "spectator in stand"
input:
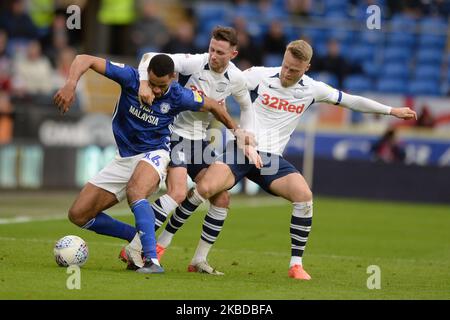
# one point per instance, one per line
(436, 8)
(32, 75)
(63, 63)
(299, 7)
(182, 40)
(335, 63)
(5, 63)
(59, 37)
(17, 22)
(249, 52)
(56, 39)
(6, 118)
(149, 31)
(425, 119)
(275, 40)
(388, 149)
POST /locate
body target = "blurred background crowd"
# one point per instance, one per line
(403, 61)
(409, 56)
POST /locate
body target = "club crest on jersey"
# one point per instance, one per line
(165, 107)
(221, 86)
(298, 93)
(197, 97)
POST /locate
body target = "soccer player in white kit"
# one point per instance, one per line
(280, 96)
(213, 75)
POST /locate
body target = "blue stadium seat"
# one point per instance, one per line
(403, 22)
(395, 70)
(206, 11)
(291, 33)
(396, 53)
(362, 52)
(272, 60)
(247, 9)
(387, 85)
(339, 16)
(369, 36)
(342, 35)
(315, 34)
(432, 41)
(430, 56)
(405, 39)
(357, 83)
(326, 77)
(432, 24)
(320, 48)
(427, 72)
(335, 5)
(208, 25)
(424, 87)
(202, 40)
(371, 68)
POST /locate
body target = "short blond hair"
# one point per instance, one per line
(300, 49)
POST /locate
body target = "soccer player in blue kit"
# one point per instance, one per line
(142, 133)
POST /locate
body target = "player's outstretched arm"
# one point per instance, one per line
(66, 95)
(220, 113)
(363, 104)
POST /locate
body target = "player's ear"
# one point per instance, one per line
(307, 67)
(172, 75)
(234, 54)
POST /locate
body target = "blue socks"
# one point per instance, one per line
(145, 225)
(105, 225)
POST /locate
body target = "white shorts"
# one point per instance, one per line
(115, 176)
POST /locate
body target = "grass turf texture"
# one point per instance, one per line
(409, 242)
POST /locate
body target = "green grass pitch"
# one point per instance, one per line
(409, 242)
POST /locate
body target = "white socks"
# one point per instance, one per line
(300, 227)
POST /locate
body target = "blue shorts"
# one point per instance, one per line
(274, 167)
(194, 155)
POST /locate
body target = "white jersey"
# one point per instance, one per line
(194, 73)
(278, 109)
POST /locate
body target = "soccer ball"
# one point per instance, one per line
(71, 250)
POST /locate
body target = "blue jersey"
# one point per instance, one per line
(140, 128)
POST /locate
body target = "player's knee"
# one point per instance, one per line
(178, 195)
(77, 216)
(308, 195)
(303, 195)
(205, 190)
(221, 200)
(134, 192)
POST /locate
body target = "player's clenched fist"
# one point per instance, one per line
(146, 94)
(404, 113)
(65, 97)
